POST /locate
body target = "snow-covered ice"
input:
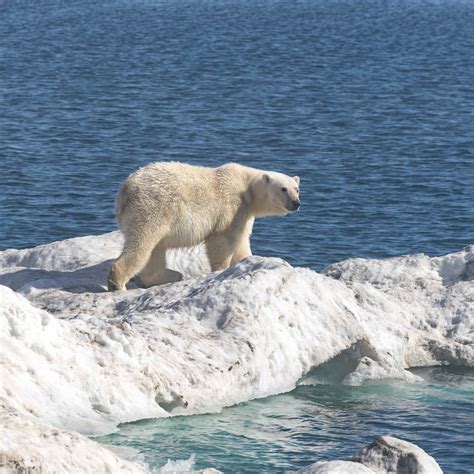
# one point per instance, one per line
(83, 359)
(28, 444)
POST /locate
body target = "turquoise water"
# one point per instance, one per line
(289, 431)
(371, 102)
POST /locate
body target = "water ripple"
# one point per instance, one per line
(371, 102)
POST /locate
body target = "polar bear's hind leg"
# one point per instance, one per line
(155, 271)
(135, 254)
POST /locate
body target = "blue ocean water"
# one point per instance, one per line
(371, 102)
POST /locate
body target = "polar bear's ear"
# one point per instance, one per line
(266, 178)
(297, 179)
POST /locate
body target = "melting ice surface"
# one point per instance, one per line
(86, 360)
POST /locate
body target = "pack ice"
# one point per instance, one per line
(79, 358)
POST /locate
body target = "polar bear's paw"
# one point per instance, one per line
(112, 285)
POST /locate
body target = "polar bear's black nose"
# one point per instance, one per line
(296, 204)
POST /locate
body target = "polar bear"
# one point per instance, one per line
(167, 205)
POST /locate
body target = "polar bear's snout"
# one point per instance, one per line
(293, 204)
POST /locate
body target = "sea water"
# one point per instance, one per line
(371, 102)
(312, 423)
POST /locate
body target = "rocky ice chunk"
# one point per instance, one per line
(389, 454)
(385, 455)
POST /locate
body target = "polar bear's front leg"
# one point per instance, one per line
(242, 250)
(219, 250)
(155, 271)
(242, 246)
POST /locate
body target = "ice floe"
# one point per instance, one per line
(83, 359)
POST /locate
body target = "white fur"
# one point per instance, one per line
(173, 205)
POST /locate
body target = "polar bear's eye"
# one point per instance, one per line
(284, 189)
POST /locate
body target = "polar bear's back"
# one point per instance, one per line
(162, 184)
(182, 195)
(171, 176)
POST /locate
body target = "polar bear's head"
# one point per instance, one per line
(277, 194)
